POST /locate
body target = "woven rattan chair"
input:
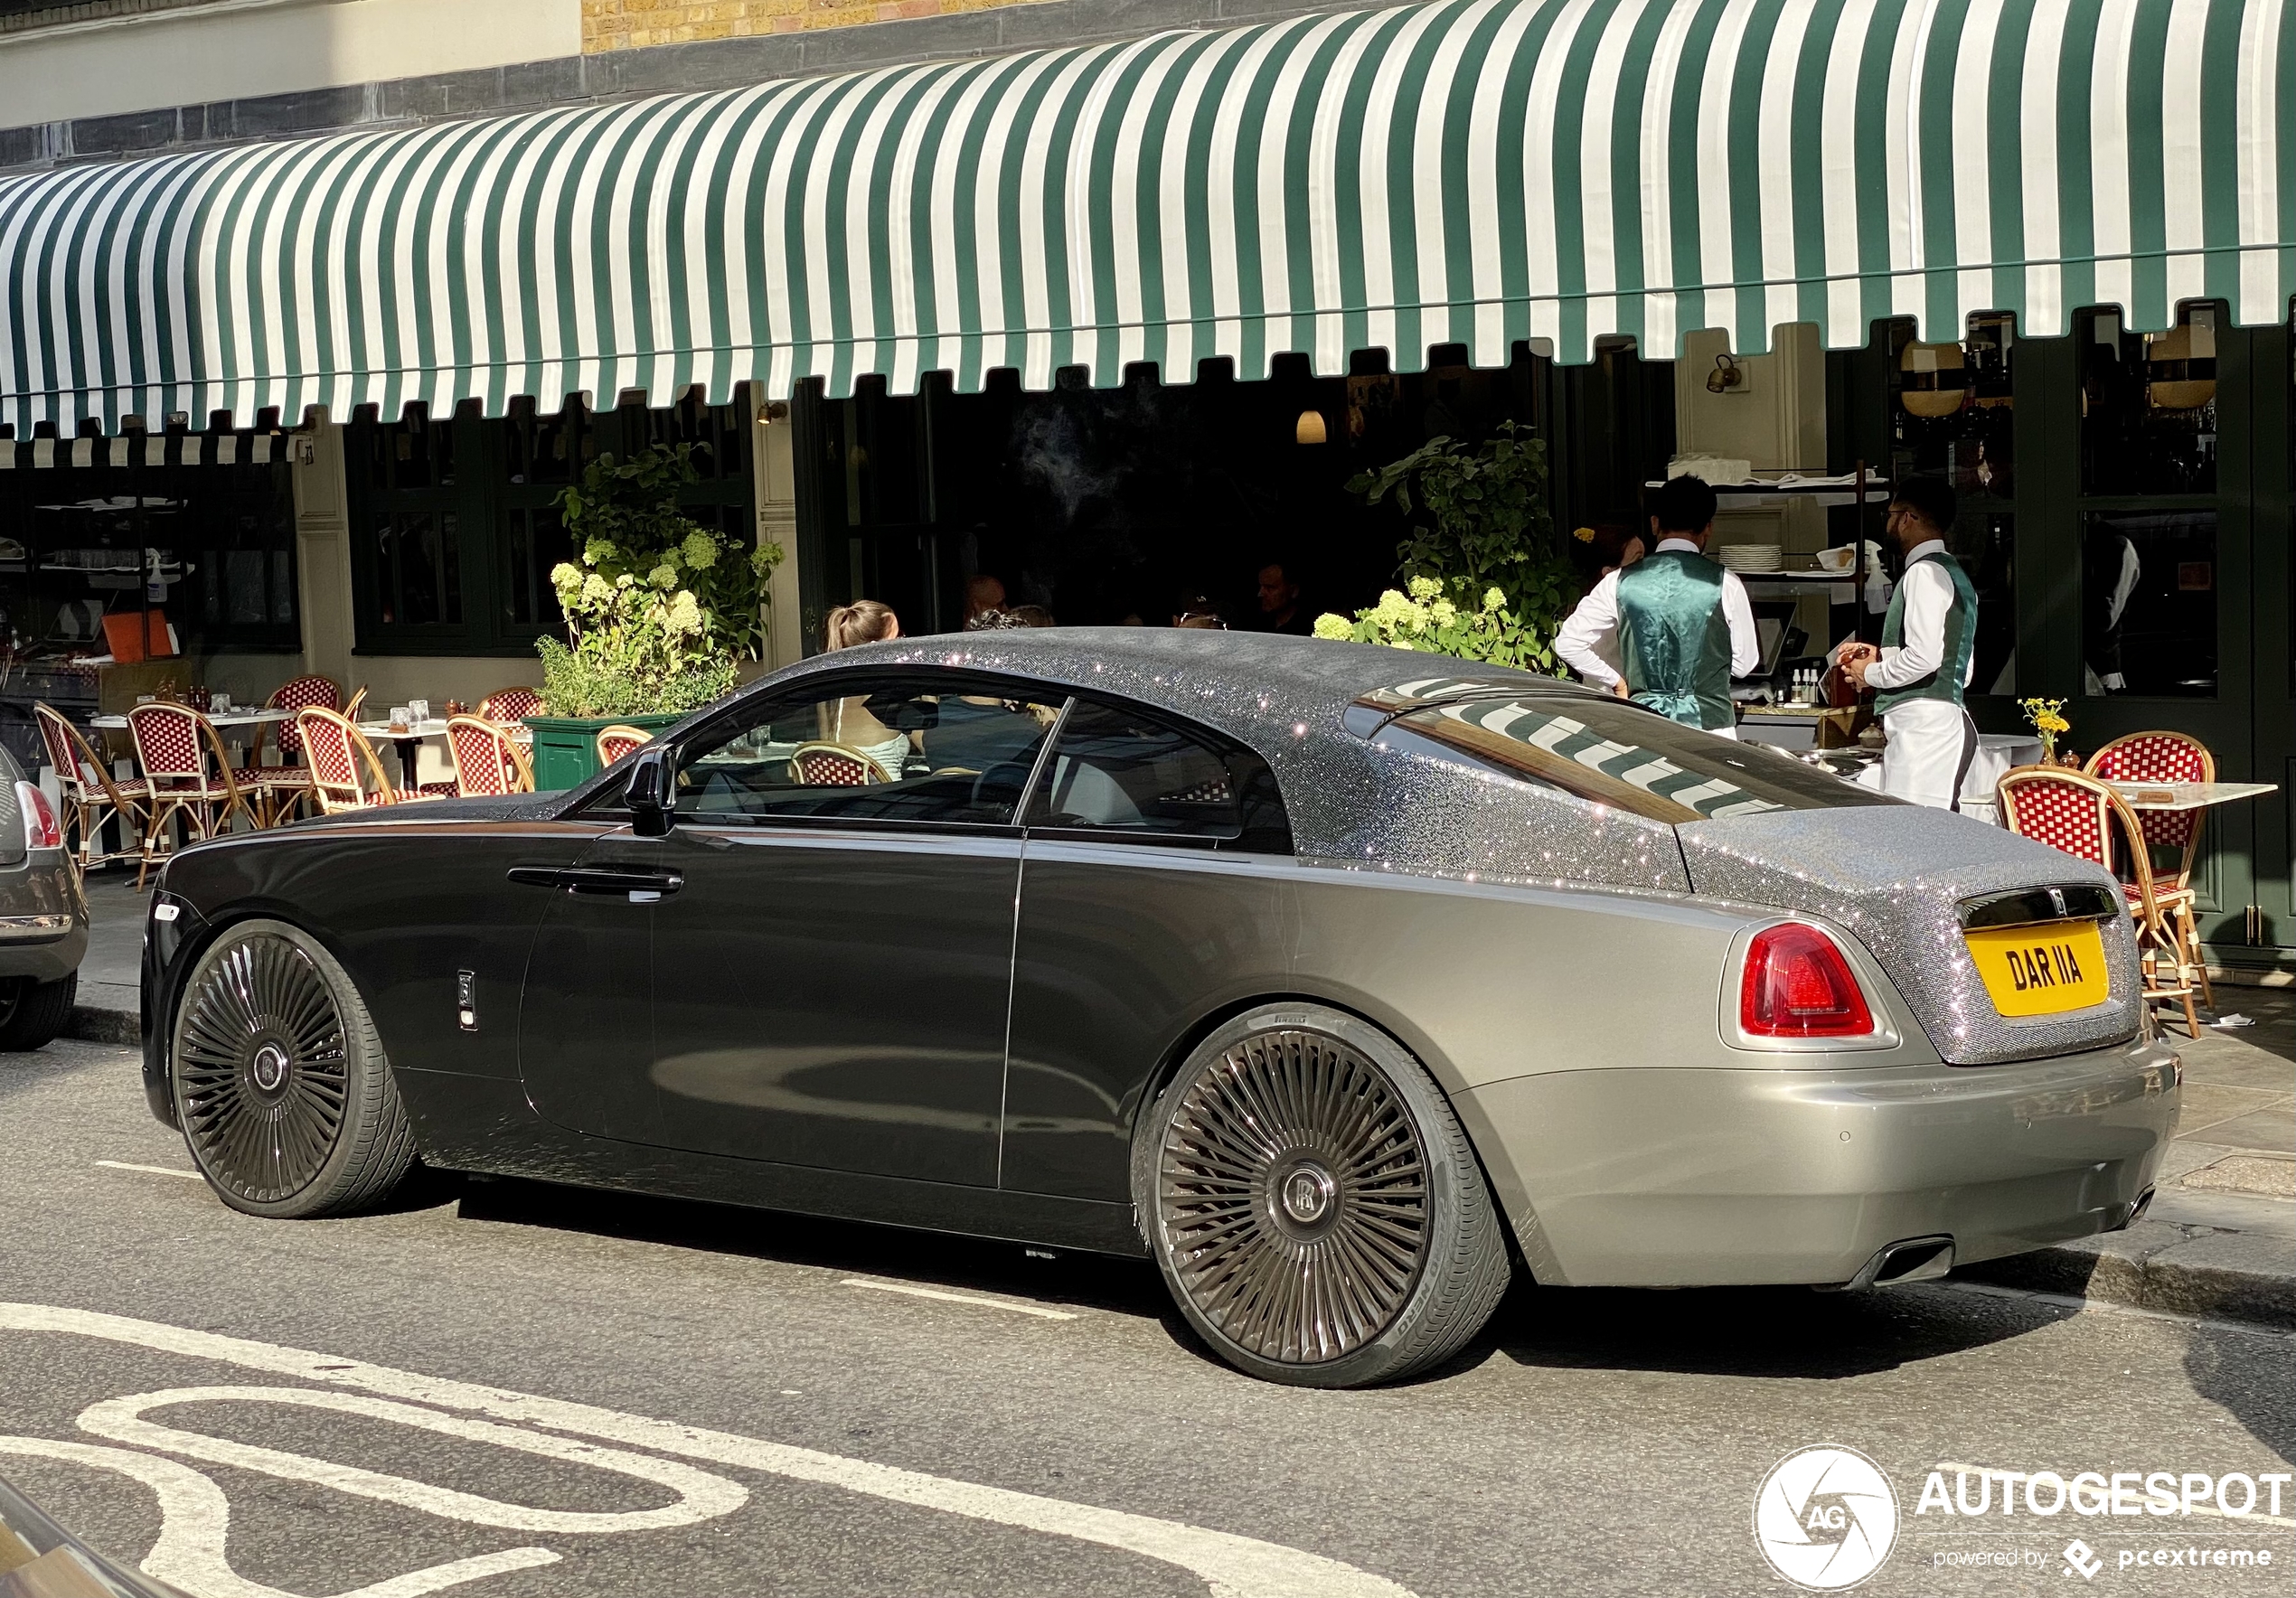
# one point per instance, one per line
(283, 789)
(833, 766)
(2168, 757)
(511, 705)
(92, 796)
(488, 761)
(346, 773)
(189, 775)
(616, 741)
(2073, 812)
(358, 703)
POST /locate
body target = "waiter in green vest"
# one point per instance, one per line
(1922, 670)
(1679, 625)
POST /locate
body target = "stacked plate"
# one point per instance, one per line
(1750, 557)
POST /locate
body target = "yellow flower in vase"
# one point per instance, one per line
(2047, 717)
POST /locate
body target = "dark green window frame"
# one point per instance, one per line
(453, 528)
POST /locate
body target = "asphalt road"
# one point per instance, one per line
(590, 1394)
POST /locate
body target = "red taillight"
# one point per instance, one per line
(1798, 985)
(41, 828)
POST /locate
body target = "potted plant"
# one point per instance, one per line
(1482, 579)
(660, 611)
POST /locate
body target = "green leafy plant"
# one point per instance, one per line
(1427, 620)
(659, 609)
(1482, 536)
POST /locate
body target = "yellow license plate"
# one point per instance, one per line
(2041, 969)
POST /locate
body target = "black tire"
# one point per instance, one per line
(281, 1087)
(37, 1013)
(1313, 1204)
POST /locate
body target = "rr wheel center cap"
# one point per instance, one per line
(269, 1068)
(1306, 1194)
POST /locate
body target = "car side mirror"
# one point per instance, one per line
(651, 810)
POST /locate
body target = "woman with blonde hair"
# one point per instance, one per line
(848, 721)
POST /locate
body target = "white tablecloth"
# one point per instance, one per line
(1996, 753)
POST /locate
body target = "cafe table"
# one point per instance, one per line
(223, 720)
(2188, 796)
(408, 741)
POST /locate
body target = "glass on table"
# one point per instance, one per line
(398, 722)
(417, 710)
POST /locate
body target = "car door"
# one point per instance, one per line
(831, 973)
(1157, 889)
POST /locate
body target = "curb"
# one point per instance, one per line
(2183, 1270)
(91, 1024)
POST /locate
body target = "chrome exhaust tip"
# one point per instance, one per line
(1909, 1259)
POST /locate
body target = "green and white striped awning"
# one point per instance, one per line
(1475, 173)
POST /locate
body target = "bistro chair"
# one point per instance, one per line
(346, 773)
(2168, 757)
(92, 796)
(511, 705)
(2076, 813)
(358, 702)
(175, 745)
(285, 788)
(833, 766)
(488, 761)
(616, 741)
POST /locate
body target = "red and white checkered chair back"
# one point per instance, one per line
(56, 738)
(294, 694)
(614, 742)
(487, 762)
(833, 766)
(511, 704)
(167, 742)
(330, 744)
(2159, 757)
(2061, 810)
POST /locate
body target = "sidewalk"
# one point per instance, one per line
(2220, 1238)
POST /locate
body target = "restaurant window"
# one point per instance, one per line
(2148, 404)
(208, 542)
(1953, 415)
(455, 524)
(2149, 603)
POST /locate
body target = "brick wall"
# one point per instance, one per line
(632, 24)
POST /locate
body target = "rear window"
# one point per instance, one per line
(1619, 755)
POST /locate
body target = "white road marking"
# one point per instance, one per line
(1231, 1566)
(150, 1170)
(958, 1298)
(194, 1518)
(702, 1495)
(2016, 1476)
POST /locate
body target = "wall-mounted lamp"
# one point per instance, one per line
(1933, 380)
(1308, 429)
(1726, 378)
(2180, 366)
(768, 414)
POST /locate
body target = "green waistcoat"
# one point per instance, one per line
(1960, 637)
(1675, 639)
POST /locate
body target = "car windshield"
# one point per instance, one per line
(1617, 754)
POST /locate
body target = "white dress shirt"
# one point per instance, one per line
(1929, 594)
(1589, 643)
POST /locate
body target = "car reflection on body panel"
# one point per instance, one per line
(1342, 990)
(40, 1559)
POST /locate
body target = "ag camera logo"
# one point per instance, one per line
(1825, 1517)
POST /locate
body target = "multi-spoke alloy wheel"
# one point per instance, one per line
(1294, 1188)
(1317, 1209)
(280, 1085)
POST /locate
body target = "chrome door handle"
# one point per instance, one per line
(641, 885)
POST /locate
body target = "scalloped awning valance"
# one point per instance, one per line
(1474, 173)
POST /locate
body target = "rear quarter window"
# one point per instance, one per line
(1622, 756)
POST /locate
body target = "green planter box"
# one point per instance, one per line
(566, 747)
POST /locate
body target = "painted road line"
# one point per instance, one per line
(958, 1298)
(1231, 1565)
(195, 1518)
(151, 1170)
(2010, 1478)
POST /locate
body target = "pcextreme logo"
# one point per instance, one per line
(1825, 1517)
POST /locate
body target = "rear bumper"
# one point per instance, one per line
(1637, 1177)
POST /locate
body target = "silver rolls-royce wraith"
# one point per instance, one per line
(1342, 989)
